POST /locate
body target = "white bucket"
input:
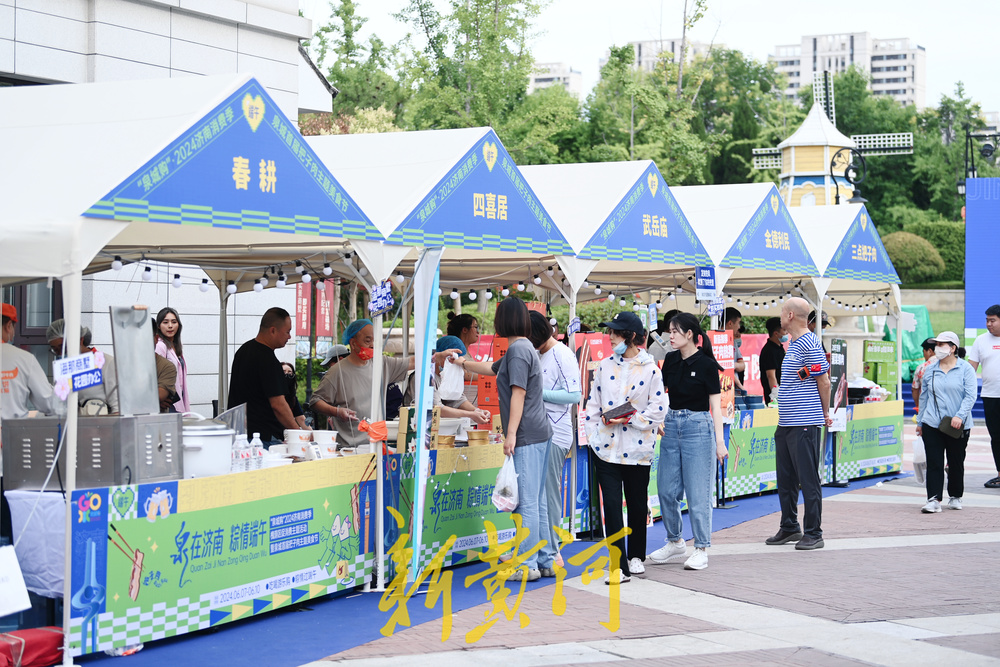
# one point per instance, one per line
(207, 451)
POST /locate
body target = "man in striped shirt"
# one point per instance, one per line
(803, 410)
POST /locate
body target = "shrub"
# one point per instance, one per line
(915, 259)
(949, 240)
(898, 218)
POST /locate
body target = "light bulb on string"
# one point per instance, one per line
(659, 305)
(400, 278)
(756, 306)
(488, 295)
(537, 279)
(306, 278)
(552, 321)
(586, 284)
(362, 270)
(597, 290)
(672, 296)
(347, 258)
(621, 302)
(611, 296)
(231, 287)
(455, 296)
(550, 271)
(766, 305)
(257, 287)
(147, 274)
(321, 284)
(635, 307)
(263, 279)
(298, 267)
(327, 271)
(505, 291)
(520, 286)
(281, 282)
(774, 304)
(565, 281)
(116, 263)
(176, 282)
(204, 285)
(730, 298)
(472, 295)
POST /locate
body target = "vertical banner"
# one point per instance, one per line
(324, 320)
(303, 320)
(425, 290)
(838, 384)
(725, 354)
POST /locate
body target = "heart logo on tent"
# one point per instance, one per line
(490, 154)
(864, 221)
(774, 203)
(653, 182)
(122, 499)
(253, 110)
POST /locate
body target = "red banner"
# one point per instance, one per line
(303, 309)
(750, 348)
(324, 318)
(722, 348)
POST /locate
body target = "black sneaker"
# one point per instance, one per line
(783, 537)
(809, 543)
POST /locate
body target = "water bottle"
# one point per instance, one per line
(256, 453)
(240, 447)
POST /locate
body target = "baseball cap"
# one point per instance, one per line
(10, 311)
(334, 352)
(625, 321)
(947, 337)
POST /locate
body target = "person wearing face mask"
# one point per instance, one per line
(292, 395)
(623, 446)
(949, 392)
(772, 355)
(22, 378)
(258, 380)
(345, 393)
(100, 399)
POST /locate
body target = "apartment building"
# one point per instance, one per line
(648, 53)
(897, 66)
(556, 74)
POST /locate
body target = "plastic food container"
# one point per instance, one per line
(207, 446)
(298, 442)
(324, 437)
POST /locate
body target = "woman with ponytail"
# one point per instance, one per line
(692, 441)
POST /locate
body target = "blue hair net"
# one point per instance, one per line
(451, 343)
(352, 330)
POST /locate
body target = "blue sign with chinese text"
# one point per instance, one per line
(243, 166)
(705, 283)
(647, 225)
(861, 255)
(483, 203)
(771, 242)
(381, 300)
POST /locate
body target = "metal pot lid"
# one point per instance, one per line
(204, 425)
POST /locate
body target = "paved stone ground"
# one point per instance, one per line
(891, 587)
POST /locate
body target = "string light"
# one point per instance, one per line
(672, 296)
(321, 284)
(505, 291)
(472, 295)
(635, 306)
(231, 287)
(263, 279)
(176, 282)
(347, 258)
(306, 278)
(298, 267)
(327, 271)
(730, 298)
(550, 271)
(597, 290)
(455, 296)
(537, 280)
(756, 306)
(488, 295)
(611, 296)
(281, 282)
(257, 287)
(116, 263)
(659, 306)
(400, 277)
(552, 321)
(520, 286)
(147, 274)
(204, 285)
(621, 302)
(766, 305)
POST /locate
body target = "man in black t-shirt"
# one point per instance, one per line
(771, 356)
(258, 380)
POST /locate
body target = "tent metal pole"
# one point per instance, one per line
(72, 294)
(406, 327)
(573, 413)
(377, 415)
(223, 345)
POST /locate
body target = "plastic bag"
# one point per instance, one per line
(505, 492)
(452, 385)
(919, 459)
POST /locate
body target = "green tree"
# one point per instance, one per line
(915, 259)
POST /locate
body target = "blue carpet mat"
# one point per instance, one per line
(313, 630)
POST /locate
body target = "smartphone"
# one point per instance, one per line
(803, 373)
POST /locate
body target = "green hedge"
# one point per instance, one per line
(915, 259)
(949, 240)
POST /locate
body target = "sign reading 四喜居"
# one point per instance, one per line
(483, 203)
(771, 242)
(751, 465)
(243, 166)
(873, 441)
(647, 225)
(861, 255)
(156, 560)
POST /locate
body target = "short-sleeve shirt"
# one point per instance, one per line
(348, 385)
(772, 356)
(560, 371)
(520, 367)
(918, 376)
(799, 403)
(257, 376)
(986, 352)
(691, 381)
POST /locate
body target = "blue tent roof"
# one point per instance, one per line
(770, 241)
(861, 255)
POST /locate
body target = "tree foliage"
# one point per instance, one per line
(915, 259)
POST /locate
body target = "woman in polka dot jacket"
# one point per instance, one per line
(624, 446)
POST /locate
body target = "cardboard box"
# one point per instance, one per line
(888, 373)
(891, 388)
(880, 351)
(870, 371)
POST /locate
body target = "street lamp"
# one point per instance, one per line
(986, 151)
(852, 162)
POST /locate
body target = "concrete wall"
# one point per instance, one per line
(79, 41)
(936, 300)
(199, 316)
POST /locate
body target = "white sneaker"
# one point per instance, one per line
(635, 566)
(697, 561)
(669, 551)
(620, 576)
(953, 503)
(932, 506)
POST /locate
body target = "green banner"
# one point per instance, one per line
(873, 441)
(151, 561)
(751, 465)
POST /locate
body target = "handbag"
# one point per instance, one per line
(945, 425)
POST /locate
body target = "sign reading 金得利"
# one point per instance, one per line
(243, 166)
(861, 255)
(771, 242)
(647, 225)
(483, 203)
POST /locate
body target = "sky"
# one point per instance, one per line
(958, 37)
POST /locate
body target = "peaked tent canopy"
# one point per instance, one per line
(622, 216)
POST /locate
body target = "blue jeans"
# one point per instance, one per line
(555, 460)
(530, 462)
(687, 464)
